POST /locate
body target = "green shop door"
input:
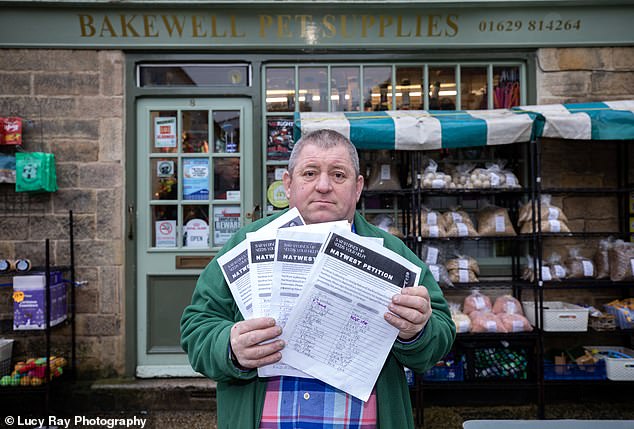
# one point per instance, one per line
(193, 156)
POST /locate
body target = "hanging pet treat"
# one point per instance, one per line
(430, 254)
(579, 267)
(459, 224)
(432, 217)
(461, 320)
(461, 176)
(514, 322)
(463, 263)
(507, 304)
(386, 223)
(462, 276)
(440, 274)
(476, 301)
(432, 231)
(548, 212)
(434, 179)
(621, 261)
(601, 258)
(485, 321)
(558, 270)
(494, 221)
(384, 174)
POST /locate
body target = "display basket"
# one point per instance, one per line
(604, 322)
(559, 316)
(619, 361)
(574, 371)
(6, 349)
(443, 372)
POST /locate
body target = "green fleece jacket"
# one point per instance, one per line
(207, 321)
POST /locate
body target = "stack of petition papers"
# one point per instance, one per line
(328, 288)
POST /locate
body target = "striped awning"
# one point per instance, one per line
(427, 130)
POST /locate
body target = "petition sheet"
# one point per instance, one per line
(235, 265)
(336, 332)
(235, 268)
(295, 252)
(261, 251)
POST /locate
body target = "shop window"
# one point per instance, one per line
(473, 88)
(349, 87)
(345, 90)
(377, 88)
(409, 88)
(196, 75)
(442, 88)
(313, 89)
(280, 89)
(506, 87)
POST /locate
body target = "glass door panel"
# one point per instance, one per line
(163, 132)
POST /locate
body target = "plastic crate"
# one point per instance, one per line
(573, 371)
(617, 367)
(559, 316)
(444, 372)
(6, 349)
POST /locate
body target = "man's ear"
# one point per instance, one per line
(360, 182)
(286, 180)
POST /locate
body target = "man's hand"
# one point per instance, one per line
(409, 311)
(246, 338)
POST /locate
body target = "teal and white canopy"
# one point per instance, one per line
(427, 130)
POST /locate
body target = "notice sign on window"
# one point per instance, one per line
(165, 132)
(165, 233)
(196, 233)
(226, 222)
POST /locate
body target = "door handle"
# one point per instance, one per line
(131, 219)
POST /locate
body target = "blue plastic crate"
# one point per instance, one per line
(443, 372)
(573, 371)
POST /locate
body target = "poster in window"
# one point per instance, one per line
(226, 223)
(280, 139)
(195, 178)
(164, 132)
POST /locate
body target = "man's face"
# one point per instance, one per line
(324, 186)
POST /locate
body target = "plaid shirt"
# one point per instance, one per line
(308, 403)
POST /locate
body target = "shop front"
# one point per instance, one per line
(173, 123)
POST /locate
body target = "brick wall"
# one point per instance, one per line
(73, 103)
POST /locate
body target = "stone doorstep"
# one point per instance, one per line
(142, 395)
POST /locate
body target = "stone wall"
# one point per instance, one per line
(73, 104)
(573, 75)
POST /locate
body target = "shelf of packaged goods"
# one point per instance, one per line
(485, 336)
(418, 239)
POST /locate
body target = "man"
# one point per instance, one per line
(324, 183)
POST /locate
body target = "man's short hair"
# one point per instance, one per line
(325, 139)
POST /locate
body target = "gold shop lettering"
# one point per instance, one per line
(274, 26)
